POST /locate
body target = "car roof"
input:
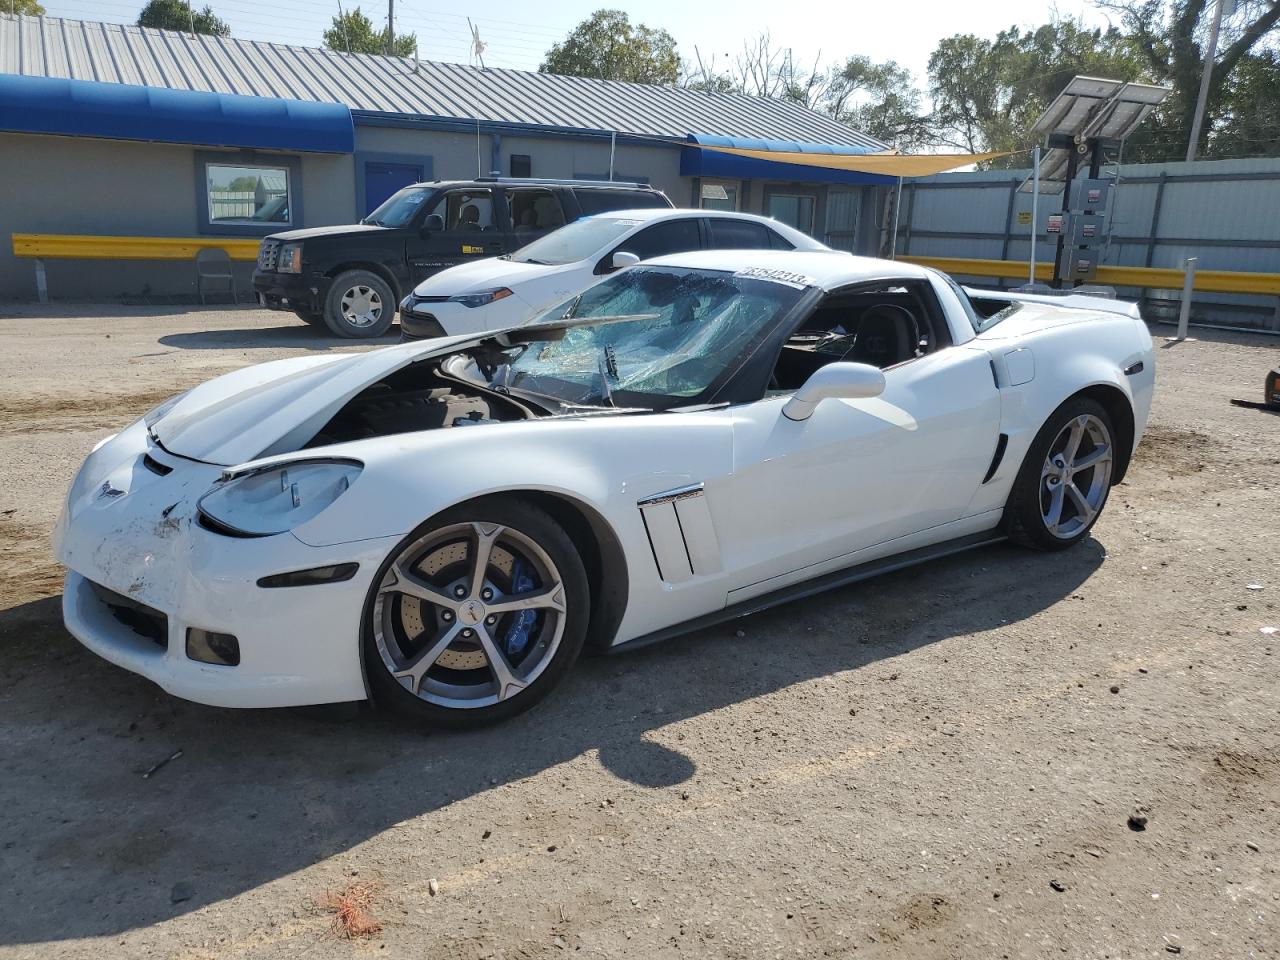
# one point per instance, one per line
(827, 269)
(650, 214)
(627, 185)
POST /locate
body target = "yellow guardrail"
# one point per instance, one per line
(64, 247)
(1206, 281)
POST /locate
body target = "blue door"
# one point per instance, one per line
(381, 180)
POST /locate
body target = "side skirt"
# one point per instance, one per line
(808, 588)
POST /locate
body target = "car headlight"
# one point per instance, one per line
(275, 499)
(290, 259)
(156, 414)
(482, 298)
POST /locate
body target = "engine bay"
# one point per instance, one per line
(419, 397)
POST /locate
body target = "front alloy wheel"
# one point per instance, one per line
(359, 304)
(476, 617)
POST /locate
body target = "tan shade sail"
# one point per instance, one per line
(887, 164)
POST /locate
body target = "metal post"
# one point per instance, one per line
(1205, 77)
(897, 212)
(1035, 211)
(391, 27)
(42, 282)
(613, 145)
(1184, 314)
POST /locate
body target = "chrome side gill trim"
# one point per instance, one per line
(670, 496)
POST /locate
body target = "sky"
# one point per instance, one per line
(517, 33)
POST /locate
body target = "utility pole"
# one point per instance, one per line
(1205, 78)
(391, 26)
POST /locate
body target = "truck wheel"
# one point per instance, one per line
(360, 304)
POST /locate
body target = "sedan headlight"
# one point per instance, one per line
(276, 499)
(483, 298)
(290, 260)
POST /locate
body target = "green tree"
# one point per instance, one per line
(176, 15)
(607, 46)
(18, 8)
(1248, 117)
(1169, 35)
(880, 99)
(988, 93)
(353, 32)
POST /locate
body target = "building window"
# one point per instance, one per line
(795, 210)
(717, 195)
(521, 165)
(247, 194)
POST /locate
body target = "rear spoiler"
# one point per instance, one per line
(1077, 301)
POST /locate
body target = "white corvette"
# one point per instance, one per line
(445, 525)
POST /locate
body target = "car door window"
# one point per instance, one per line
(534, 212)
(660, 239)
(882, 324)
(727, 234)
(458, 226)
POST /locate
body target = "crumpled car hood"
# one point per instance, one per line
(276, 407)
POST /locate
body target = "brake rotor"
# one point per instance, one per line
(461, 654)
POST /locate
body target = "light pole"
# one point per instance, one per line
(1205, 77)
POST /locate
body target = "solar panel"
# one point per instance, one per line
(1091, 108)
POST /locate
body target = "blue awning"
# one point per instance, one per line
(712, 163)
(83, 108)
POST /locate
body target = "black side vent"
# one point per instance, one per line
(995, 461)
(155, 466)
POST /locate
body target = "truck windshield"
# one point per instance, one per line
(578, 241)
(399, 208)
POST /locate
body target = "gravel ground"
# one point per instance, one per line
(939, 763)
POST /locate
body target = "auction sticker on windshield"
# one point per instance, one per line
(797, 280)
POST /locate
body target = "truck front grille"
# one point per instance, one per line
(268, 252)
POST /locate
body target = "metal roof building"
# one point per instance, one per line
(154, 123)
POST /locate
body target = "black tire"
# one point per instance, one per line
(1024, 514)
(524, 519)
(311, 319)
(362, 288)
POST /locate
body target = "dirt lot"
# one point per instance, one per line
(937, 764)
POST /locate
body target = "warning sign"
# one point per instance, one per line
(1024, 218)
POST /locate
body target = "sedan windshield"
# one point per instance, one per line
(577, 241)
(399, 208)
(665, 337)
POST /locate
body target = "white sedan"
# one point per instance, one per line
(506, 291)
(444, 526)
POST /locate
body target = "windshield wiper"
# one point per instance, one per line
(608, 365)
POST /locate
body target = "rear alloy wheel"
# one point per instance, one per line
(1064, 481)
(360, 304)
(475, 617)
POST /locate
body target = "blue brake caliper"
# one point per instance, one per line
(521, 627)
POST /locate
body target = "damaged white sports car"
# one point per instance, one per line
(444, 525)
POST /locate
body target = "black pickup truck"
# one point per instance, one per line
(349, 278)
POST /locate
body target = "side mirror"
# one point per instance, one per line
(851, 381)
(623, 259)
(433, 224)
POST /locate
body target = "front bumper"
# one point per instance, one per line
(291, 291)
(298, 645)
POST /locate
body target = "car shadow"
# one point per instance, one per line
(93, 848)
(296, 336)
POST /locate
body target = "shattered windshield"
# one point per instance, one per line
(664, 337)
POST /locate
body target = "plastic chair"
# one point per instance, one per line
(213, 271)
